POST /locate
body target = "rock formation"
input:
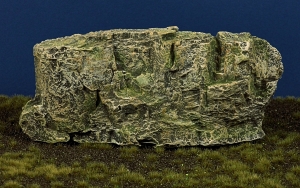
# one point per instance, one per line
(155, 86)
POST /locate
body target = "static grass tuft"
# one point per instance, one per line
(34, 185)
(12, 184)
(57, 184)
(128, 152)
(159, 150)
(263, 165)
(82, 184)
(289, 139)
(152, 157)
(10, 111)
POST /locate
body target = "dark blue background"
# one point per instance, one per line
(25, 23)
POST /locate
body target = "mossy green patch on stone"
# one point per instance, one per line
(144, 79)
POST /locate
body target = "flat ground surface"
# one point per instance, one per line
(272, 161)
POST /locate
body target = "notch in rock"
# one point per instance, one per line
(71, 141)
(118, 59)
(218, 56)
(172, 56)
(147, 143)
(97, 98)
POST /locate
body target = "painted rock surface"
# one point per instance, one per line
(157, 86)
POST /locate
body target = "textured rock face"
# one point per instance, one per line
(155, 86)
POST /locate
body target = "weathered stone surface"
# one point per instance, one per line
(157, 86)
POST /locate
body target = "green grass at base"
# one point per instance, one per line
(272, 161)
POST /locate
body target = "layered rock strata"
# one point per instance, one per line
(155, 86)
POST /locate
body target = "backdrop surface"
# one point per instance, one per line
(25, 23)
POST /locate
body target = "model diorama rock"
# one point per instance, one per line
(155, 86)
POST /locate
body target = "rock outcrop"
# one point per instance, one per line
(155, 86)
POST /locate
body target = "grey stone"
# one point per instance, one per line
(157, 86)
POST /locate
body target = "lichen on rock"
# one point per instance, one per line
(157, 86)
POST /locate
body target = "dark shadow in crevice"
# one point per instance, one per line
(172, 54)
(218, 56)
(147, 143)
(97, 98)
(71, 141)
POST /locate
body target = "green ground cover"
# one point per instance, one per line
(272, 161)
